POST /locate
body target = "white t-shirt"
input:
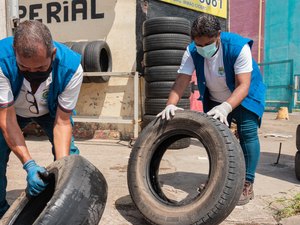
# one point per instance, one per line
(215, 73)
(24, 103)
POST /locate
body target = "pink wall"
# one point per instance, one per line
(244, 20)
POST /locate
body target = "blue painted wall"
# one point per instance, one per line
(282, 31)
(282, 42)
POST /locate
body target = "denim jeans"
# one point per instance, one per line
(247, 126)
(47, 123)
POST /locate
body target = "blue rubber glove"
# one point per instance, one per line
(35, 185)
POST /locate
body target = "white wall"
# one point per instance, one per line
(2, 19)
(115, 98)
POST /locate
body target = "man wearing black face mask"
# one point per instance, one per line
(36, 78)
(40, 81)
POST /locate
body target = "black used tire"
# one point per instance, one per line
(297, 165)
(76, 194)
(153, 106)
(225, 179)
(163, 57)
(160, 73)
(179, 144)
(160, 25)
(98, 59)
(298, 138)
(162, 90)
(166, 41)
(80, 47)
(147, 119)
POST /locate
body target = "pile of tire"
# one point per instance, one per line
(95, 57)
(164, 42)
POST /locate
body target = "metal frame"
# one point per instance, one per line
(12, 18)
(296, 90)
(119, 120)
(290, 102)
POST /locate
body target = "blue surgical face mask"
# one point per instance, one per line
(207, 51)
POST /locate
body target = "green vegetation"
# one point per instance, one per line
(290, 207)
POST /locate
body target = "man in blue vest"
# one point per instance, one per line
(230, 86)
(40, 81)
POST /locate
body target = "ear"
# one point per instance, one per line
(219, 38)
(53, 54)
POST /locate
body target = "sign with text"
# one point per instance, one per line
(71, 20)
(213, 7)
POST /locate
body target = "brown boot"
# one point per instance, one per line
(247, 194)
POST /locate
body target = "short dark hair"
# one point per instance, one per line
(205, 25)
(29, 34)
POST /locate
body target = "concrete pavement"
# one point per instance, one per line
(275, 178)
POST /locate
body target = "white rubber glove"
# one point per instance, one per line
(221, 112)
(169, 110)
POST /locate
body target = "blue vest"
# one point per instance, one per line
(64, 66)
(232, 45)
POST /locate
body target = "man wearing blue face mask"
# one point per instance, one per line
(40, 81)
(230, 86)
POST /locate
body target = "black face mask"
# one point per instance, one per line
(36, 77)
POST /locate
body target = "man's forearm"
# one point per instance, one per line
(62, 139)
(173, 98)
(238, 96)
(241, 91)
(13, 134)
(181, 83)
(15, 141)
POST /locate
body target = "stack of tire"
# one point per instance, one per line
(95, 57)
(164, 42)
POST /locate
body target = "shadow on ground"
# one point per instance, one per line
(272, 164)
(280, 167)
(128, 210)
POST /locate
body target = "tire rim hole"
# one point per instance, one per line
(174, 182)
(36, 205)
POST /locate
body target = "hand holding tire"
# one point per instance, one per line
(35, 185)
(221, 112)
(168, 112)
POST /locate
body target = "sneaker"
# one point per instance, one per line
(247, 194)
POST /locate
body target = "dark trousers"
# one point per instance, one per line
(247, 128)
